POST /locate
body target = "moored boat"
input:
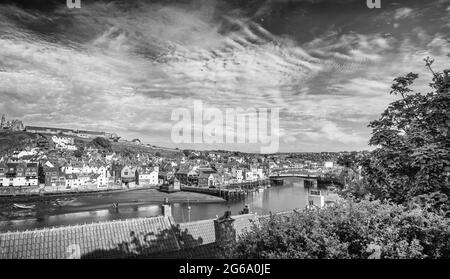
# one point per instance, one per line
(24, 206)
(63, 202)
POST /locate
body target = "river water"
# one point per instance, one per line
(291, 195)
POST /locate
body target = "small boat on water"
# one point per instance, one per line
(63, 202)
(261, 190)
(24, 206)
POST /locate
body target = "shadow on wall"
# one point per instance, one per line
(144, 245)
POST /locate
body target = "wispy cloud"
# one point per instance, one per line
(124, 67)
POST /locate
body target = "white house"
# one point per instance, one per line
(66, 143)
(100, 180)
(72, 181)
(148, 177)
(69, 169)
(238, 174)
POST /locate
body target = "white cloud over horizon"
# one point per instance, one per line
(125, 69)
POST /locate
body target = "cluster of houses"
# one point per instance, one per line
(19, 174)
(51, 161)
(76, 176)
(64, 143)
(60, 168)
(222, 174)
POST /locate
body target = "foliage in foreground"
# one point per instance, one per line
(365, 229)
(411, 162)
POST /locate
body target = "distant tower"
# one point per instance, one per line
(3, 123)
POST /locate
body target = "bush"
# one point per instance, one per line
(366, 229)
(101, 143)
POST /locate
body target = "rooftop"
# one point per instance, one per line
(156, 237)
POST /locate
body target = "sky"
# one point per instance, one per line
(125, 66)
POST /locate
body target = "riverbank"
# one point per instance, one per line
(52, 195)
(45, 205)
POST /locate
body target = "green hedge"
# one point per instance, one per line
(365, 229)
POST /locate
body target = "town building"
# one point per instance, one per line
(72, 181)
(172, 186)
(64, 143)
(147, 176)
(49, 130)
(32, 174)
(3, 169)
(182, 174)
(129, 176)
(208, 177)
(115, 173)
(19, 174)
(90, 134)
(101, 181)
(54, 177)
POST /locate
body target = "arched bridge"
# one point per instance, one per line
(321, 178)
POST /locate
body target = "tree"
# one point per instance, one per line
(103, 143)
(412, 135)
(366, 229)
(186, 152)
(78, 153)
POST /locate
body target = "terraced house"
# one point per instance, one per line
(129, 176)
(54, 177)
(2, 173)
(19, 174)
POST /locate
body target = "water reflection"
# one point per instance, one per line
(289, 196)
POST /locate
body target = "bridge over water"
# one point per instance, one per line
(310, 177)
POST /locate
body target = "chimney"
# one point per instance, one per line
(166, 208)
(224, 229)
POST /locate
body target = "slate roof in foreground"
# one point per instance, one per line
(156, 237)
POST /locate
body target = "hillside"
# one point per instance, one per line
(132, 148)
(10, 141)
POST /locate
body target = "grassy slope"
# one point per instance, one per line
(136, 149)
(15, 140)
